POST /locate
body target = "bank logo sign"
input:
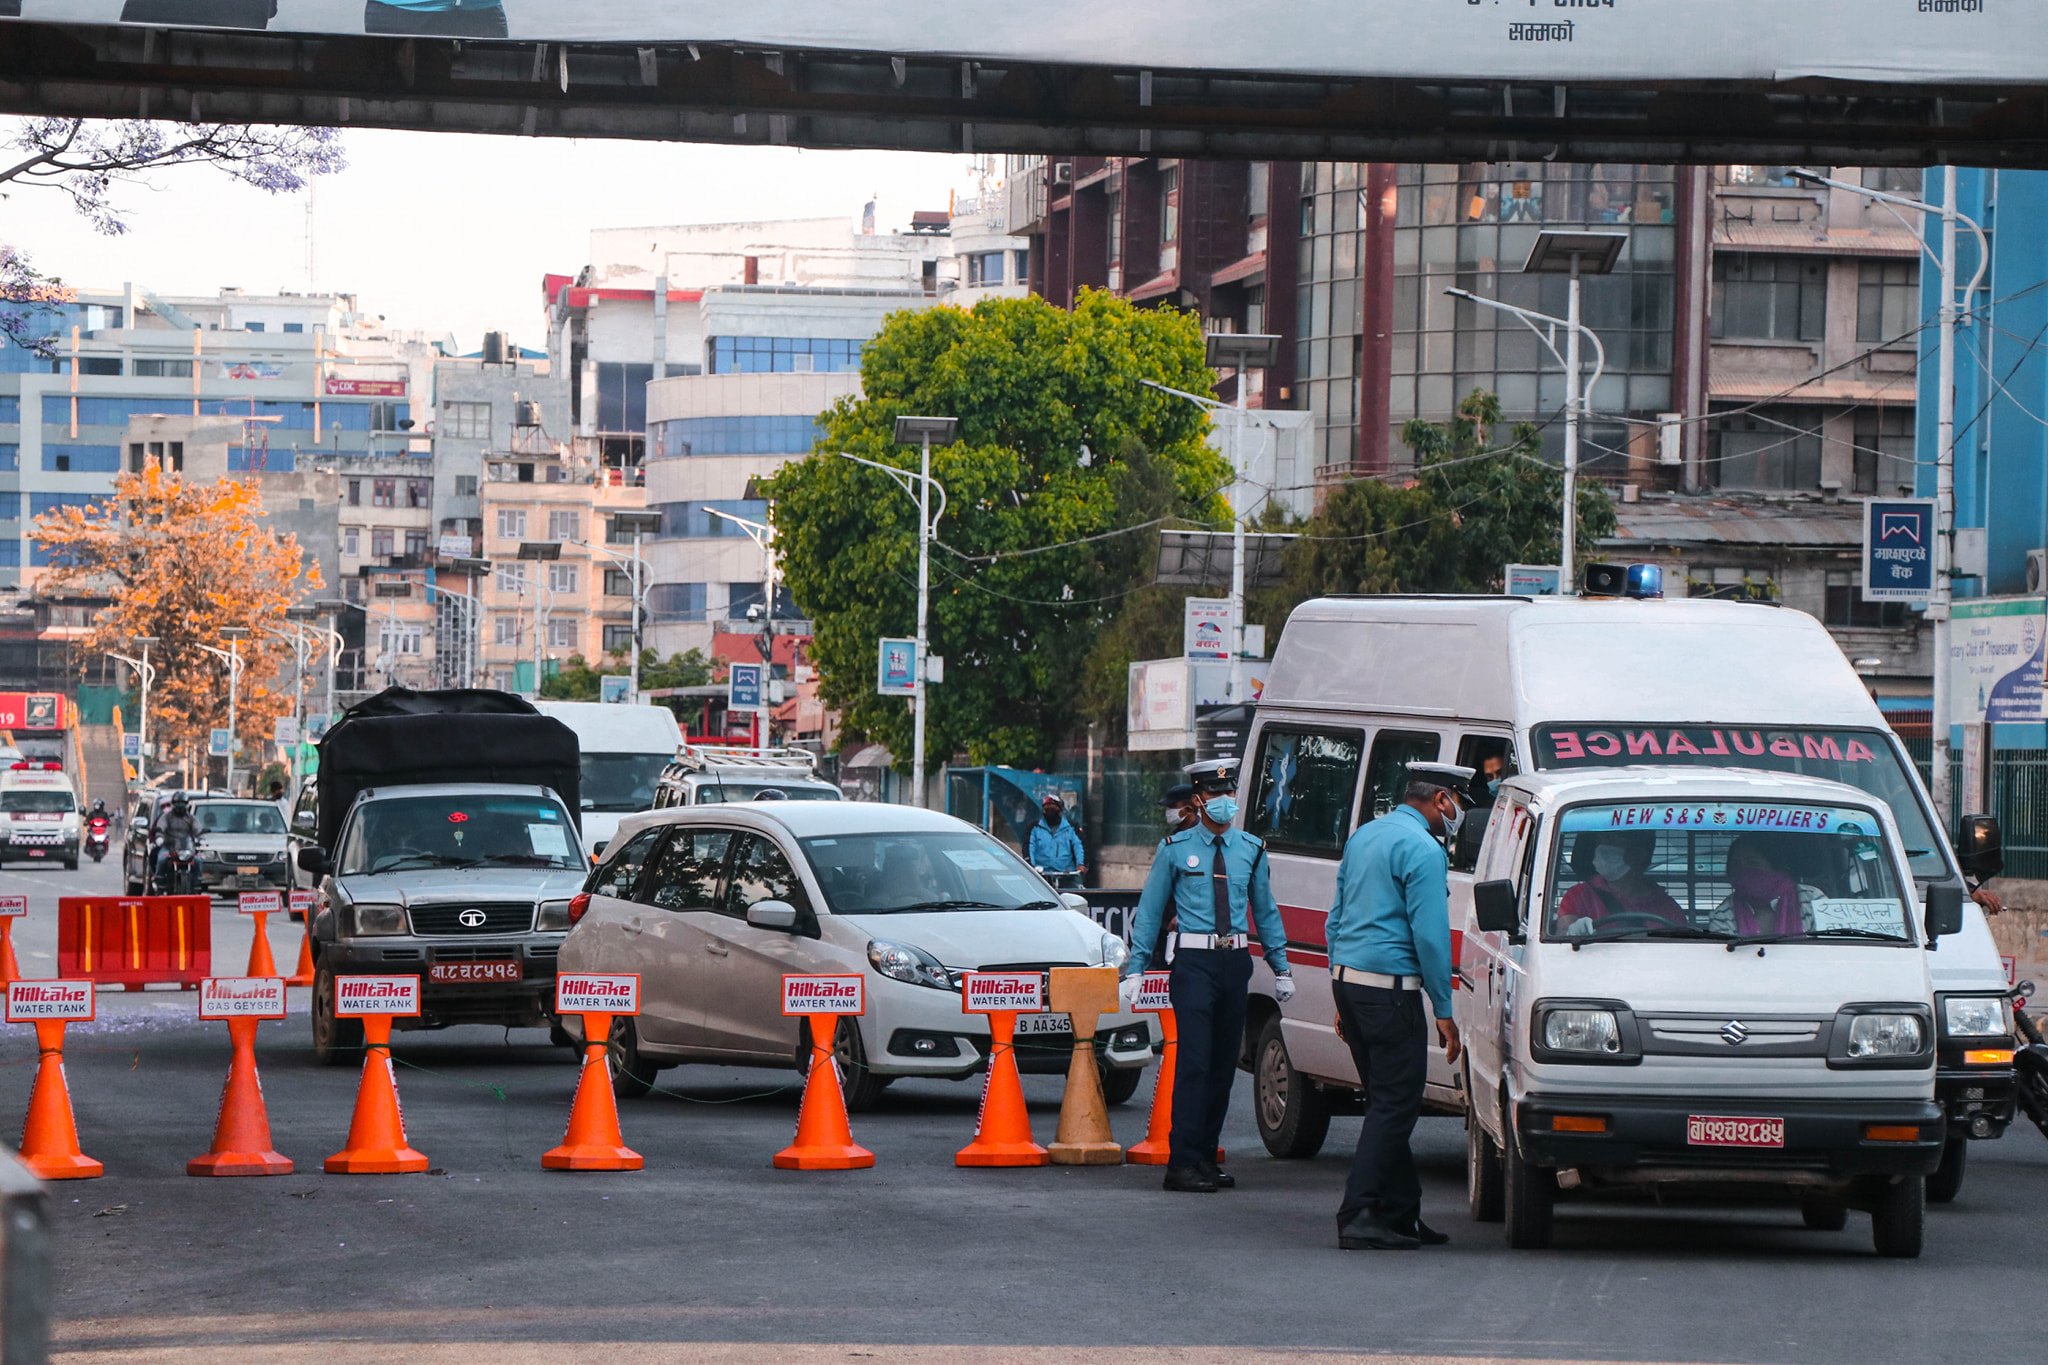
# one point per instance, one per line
(1898, 549)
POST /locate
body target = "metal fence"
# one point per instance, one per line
(2019, 798)
(1130, 790)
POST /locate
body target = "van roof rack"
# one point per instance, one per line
(734, 759)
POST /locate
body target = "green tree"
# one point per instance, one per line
(577, 680)
(1062, 450)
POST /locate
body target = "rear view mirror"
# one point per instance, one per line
(1493, 903)
(1471, 834)
(304, 819)
(1074, 901)
(1944, 910)
(772, 915)
(1980, 850)
(313, 860)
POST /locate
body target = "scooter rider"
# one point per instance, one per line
(177, 821)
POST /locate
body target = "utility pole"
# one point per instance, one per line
(1242, 352)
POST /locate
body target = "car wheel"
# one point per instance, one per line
(1482, 1171)
(1898, 1218)
(559, 1036)
(1528, 1196)
(336, 1041)
(632, 1074)
(863, 1088)
(1120, 1083)
(1824, 1215)
(134, 888)
(71, 864)
(1947, 1181)
(1292, 1115)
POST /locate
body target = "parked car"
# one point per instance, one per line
(302, 830)
(713, 904)
(241, 847)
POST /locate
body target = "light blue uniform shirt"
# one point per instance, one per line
(1393, 912)
(1055, 850)
(1182, 875)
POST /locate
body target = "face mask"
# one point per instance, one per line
(1454, 821)
(1174, 819)
(1221, 809)
(1610, 862)
(1760, 883)
(1493, 786)
(1052, 817)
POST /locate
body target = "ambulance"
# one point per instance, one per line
(1361, 687)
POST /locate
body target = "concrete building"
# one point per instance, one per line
(480, 401)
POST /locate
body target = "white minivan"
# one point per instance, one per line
(1360, 687)
(624, 749)
(1705, 983)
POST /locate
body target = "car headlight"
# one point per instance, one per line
(1976, 1016)
(553, 917)
(1115, 952)
(1574, 1030)
(901, 962)
(380, 919)
(1872, 1036)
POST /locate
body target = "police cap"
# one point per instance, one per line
(1177, 795)
(1454, 778)
(1214, 777)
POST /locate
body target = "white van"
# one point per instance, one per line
(1700, 983)
(38, 817)
(1360, 687)
(624, 747)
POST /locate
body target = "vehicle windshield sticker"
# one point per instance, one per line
(974, 860)
(547, 813)
(1720, 815)
(1877, 916)
(456, 817)
(548, 839)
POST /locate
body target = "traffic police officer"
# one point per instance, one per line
(1178, 803)
(1389, 933)
(1213, 879)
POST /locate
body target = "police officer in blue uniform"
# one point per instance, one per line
(1213, 881)
(1389, 933)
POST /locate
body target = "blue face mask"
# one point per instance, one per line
(1221, 809)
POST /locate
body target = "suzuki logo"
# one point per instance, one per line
(474, 919)
(1733, 1033)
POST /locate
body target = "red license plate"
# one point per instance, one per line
(473, 972)
(1716, 1130)
(38, 853)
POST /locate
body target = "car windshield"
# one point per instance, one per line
(37, 801)
(1865, 759)
(713, 792)
(238, 817)
(1733, 871)
(964, 870)
(459, 831)
(621, 782)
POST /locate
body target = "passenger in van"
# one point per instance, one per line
(1615, 867)
(1766, 899)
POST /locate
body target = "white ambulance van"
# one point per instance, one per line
(1361, 687)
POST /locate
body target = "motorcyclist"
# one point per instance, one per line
(177, 822)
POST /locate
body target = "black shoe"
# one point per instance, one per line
(1366, 1233)
(1187, 1180)
(1428, 1235)
(1222, 1179)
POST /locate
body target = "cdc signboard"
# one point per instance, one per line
(1898, 549)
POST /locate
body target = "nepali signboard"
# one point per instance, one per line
(1898, 549)
(1994, 660)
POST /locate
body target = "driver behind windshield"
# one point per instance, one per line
(1766, 899)
(1617, 886)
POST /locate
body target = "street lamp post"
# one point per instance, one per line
(763, 536)
(640, 524)
(145, 673)
(1575, 254)
(1242, 352)
(234, 635)
(1940, 597)
(539, 552)
(472, 612)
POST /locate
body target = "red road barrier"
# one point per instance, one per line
(136, 941)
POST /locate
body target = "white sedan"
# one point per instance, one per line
(713, 904)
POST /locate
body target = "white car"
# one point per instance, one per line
(712, 905)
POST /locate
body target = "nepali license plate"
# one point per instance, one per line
(248, 871)
(1717, 1130)
(39, 853)
(471, 973)
(1039, 1025)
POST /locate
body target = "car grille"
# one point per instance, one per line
(508, 952)
(953, 974)
(502, 918)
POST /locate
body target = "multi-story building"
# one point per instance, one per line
(480, 402)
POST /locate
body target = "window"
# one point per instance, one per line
(399, 639)
(564, 525)
(511, 524)
(1303, 788)
(781, 355)
(510, 576)
(1258, 181)
(562, 633)
(1115, 218)
(1169, 204)
(1887, 301)
(467, 421)
(1020, 265)
(618, 583)
(419, 492)
(351, 541)
(678, 602)
(761, 872)
(1769, 298)
(781, 434)
(505, 629)
(416, 543)
(622, 396)
(618, 639)
(617, 875)
(1387, 778)
(985, 269)
(380, 542)
(383, 492)
(388, 416)
(295, 327)
(1884, 455)
(685, 874)
(562, 577)
(465, 485)
(1732, 583)
(355, 492)
(163, 369)
(1767, 448)
(252, 326)
(1846, 608)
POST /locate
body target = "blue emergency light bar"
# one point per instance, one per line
(1644, 581)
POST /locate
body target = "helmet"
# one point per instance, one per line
(99, 808)
(179, 801)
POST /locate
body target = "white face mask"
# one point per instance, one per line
(1610, 862)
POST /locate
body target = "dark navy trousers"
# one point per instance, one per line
(1388, 1033)
(1208, 990)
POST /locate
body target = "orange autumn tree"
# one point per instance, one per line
(180, 561)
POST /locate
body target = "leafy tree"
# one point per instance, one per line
(1062, 450)
(577, 680)
(181, 560)
(88, 160)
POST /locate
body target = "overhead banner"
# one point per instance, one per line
(1955, 42)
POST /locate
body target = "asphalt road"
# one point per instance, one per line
(710, 1254)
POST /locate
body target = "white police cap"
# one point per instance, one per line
(1454, 778)
(1213, 775)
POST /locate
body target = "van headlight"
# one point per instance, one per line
(1976, 1016)
(553, 917)
(380, 919)
(902, 962)
(1585, 1032)
(1582, 1031)
(1115, 952)
(1885, 1036)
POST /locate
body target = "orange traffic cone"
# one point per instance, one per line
(824, 1141)
(303, 976)
(241, 1135)
(376, 1134)
(1153, 1150)
(594, 1142)
(1002, 1136)
(49, 1136)
(10, 970)
(260, 961)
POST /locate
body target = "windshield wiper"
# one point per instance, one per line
(1039, 905)
(1679, 931)
(1802, 934)
(916, 906)
(521, 860)
(423, 859)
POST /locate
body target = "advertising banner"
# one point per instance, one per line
(31, 711)
(1994, 660)
(1205, 628)
(1154, 996)
(241, 997)
(304, 902)
(13, 905)
(259, 902)
(1916, 41)
(1533, 580)
(743, 687)
(896, 667)
(1898, 549)
(339, 386)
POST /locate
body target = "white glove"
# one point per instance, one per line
(1127, 990)
(1283, 988)
(1580, 928)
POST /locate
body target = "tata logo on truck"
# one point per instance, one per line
(360, 995)
(29, 1002)
(823, 995)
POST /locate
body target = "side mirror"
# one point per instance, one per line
(772, 915)
(1075, 901)
(1980, 849)
(1494, 905)
(1944, 909)
(313, 860)
(304, 820)
(1471, 834)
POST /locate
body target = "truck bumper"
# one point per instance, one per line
(520, 1003)
(1979, 1101)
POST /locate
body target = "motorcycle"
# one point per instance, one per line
(96, 836)
(177, 871)
(2030, 1063)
